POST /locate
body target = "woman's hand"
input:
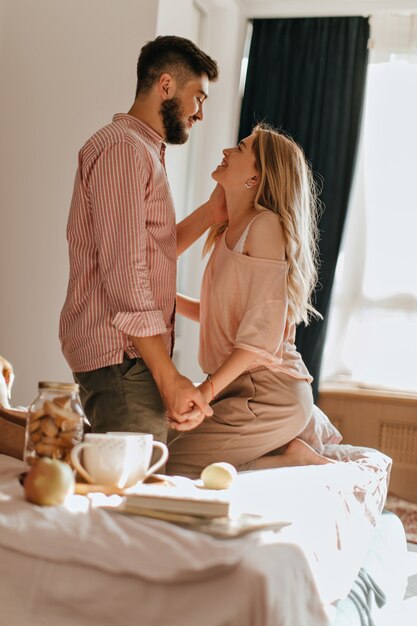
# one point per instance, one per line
(191, 420)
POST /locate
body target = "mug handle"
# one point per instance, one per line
(75, 460)
(161, 461)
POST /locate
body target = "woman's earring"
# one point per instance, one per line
(248, 184)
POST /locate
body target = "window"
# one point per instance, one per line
(372, 334)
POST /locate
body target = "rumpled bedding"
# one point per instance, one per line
(299, 570)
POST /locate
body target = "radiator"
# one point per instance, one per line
(381, 419)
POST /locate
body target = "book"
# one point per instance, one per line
(218, 527)
(195, 502)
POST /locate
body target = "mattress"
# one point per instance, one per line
(383, 576)
(80, 564)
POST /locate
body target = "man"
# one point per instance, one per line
(117, 323)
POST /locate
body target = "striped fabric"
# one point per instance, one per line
(122, 247)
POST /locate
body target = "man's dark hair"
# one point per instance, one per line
(175, 55)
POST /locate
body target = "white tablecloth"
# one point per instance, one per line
(290, 576)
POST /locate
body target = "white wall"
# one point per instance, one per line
(224, 39)
(65, 68)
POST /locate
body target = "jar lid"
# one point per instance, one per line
(68, 387)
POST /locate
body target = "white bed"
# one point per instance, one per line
(79, 564)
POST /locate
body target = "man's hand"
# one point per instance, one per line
(217, 204)
(193, 418)
(183, 401)
(194, 225)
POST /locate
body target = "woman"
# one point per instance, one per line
(256, 287)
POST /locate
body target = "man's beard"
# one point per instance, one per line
(172, 119)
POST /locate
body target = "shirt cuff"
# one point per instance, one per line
(140, 324)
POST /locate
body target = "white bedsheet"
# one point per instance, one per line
(284, 578)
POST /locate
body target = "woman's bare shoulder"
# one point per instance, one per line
(266, 238)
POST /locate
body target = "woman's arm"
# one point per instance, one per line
(236, 363)
(188, 307)
(194, 225)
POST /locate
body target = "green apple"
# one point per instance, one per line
(48, 482)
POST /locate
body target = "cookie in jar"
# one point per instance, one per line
(55, 422)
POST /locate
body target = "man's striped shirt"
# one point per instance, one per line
(122, 247)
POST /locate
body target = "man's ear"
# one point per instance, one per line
(166, 86)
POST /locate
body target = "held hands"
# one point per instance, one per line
(186, 405)
(192, 418)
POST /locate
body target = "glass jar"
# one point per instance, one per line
(55, 422)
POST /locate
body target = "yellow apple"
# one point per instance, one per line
(48, 482)
(218, 475)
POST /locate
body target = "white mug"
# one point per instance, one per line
(117, 459)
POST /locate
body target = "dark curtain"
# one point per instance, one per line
(307, 77)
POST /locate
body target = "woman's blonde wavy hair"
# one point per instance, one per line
(287, 188)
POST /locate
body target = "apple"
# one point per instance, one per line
(48, 482)
(218, 475)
